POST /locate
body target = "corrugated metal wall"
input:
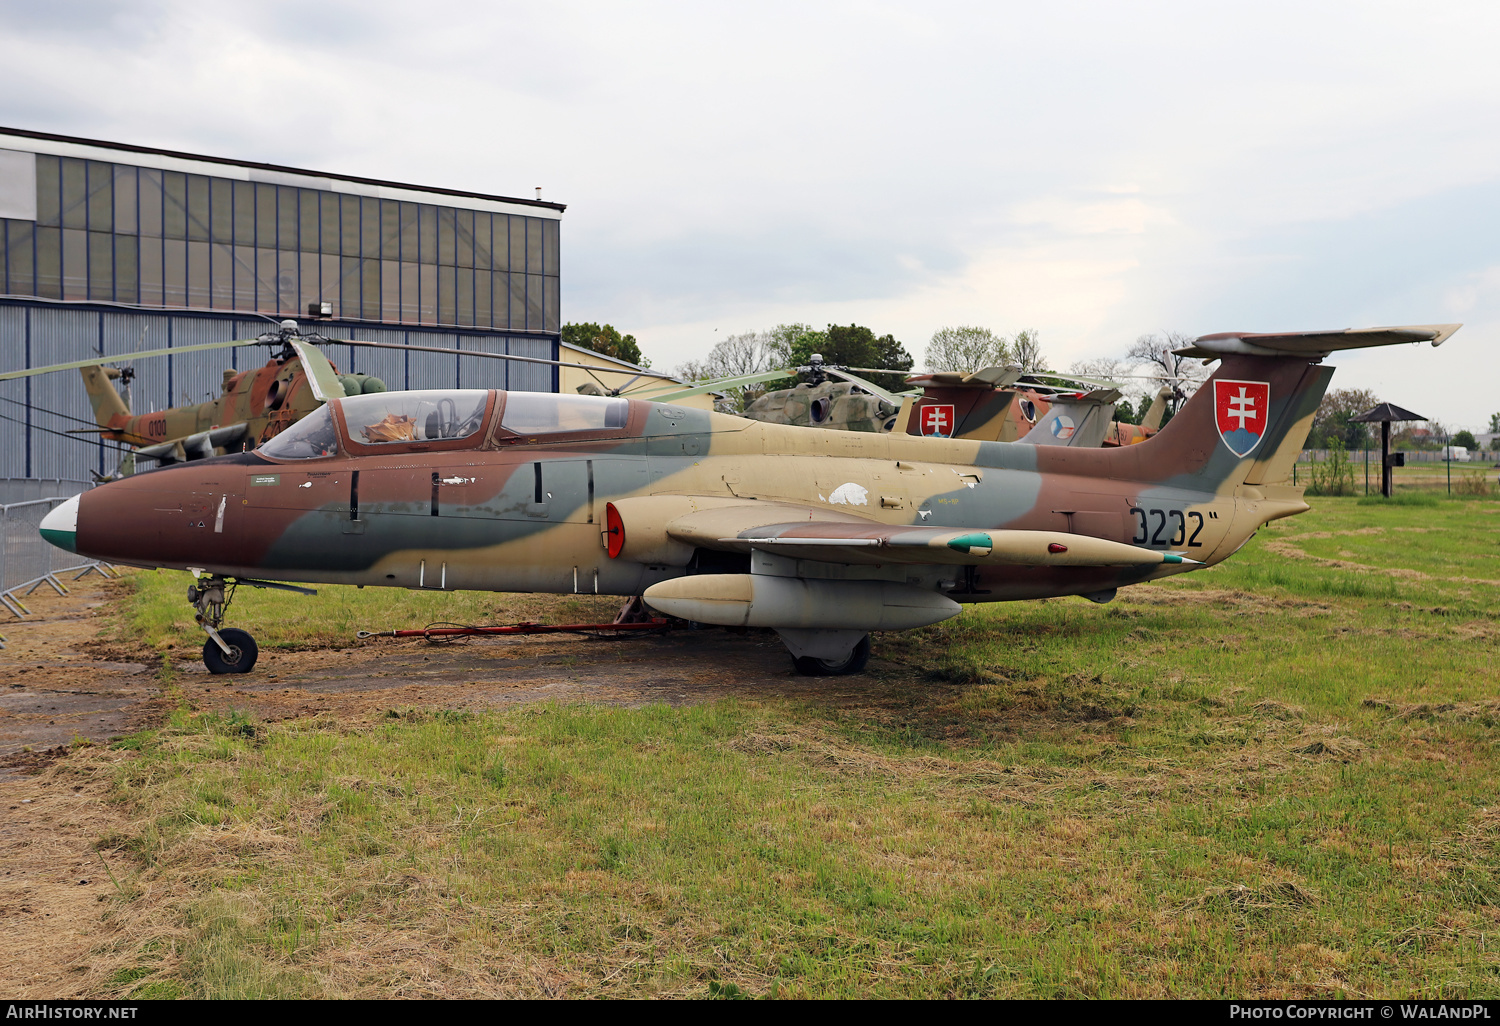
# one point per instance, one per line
(36, 413)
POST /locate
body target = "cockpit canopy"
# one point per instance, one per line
(313, 436)
(444, 416)
(545, 413)
(430, 415)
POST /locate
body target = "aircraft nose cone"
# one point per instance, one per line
(60, 527)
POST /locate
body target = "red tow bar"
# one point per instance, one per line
(521, 628)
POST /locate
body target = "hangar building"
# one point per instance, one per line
(107, 248)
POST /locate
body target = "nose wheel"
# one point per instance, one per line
(228, 649)
(241, 655)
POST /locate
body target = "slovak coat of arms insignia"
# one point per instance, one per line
(937, 421)
(1240, 411)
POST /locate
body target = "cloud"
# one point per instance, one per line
(1093, 171)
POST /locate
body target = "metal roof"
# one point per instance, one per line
(271, 172)
(1386, 412)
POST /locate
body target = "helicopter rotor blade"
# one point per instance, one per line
(122, 357)
(1079, 378)
(718, 384)
(633, 372)
(321, 377)
(868, 386)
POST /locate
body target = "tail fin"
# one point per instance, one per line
(1152, 420)
(103, 398)
(1076, 420)
(1248, 422)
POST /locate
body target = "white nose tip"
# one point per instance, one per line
(60, 527)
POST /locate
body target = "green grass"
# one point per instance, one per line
(1460, 480)
(1273, 778)
(159, 615)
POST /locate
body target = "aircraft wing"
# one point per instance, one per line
(854, 540)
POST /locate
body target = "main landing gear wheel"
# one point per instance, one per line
(812, 666)
(241, 656)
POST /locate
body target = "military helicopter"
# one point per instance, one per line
(823, 536)
(256, 405)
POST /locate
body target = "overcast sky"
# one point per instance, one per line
(1091, 170)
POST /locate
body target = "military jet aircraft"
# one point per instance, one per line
(823, 536)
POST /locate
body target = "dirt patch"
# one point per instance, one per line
(59, 683)
(54, 887)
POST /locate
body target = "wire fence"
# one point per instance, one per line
(28, 561)
(1412, 456)
(1358, 471)
(24, 489)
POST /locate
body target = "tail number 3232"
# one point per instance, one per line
(1167, 527)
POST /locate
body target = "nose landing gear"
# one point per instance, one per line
(229, 650)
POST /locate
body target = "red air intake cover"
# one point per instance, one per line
(614, 531)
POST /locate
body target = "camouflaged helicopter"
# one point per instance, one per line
(822, 536)
(256, 405)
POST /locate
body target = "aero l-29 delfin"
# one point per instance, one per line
(824, 536)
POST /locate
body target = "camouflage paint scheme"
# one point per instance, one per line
(835, 405)
(858, 513)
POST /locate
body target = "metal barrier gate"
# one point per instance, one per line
(27, 561)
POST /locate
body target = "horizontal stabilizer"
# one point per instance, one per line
(1313, 344)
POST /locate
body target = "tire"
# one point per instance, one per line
(810, 666)
(242, 652)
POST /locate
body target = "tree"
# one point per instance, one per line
(749, 352)
(1157, 353)
(1106, 368)
(855, 346)
(603, 338)
(966, 349)
(1465, 439)
(1495, 423)
(1026, 350)
(1332, 420)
